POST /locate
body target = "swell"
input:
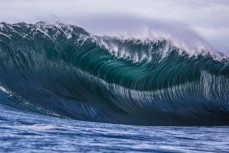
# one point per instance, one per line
(67, 71)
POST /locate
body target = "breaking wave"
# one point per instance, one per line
(65, 71)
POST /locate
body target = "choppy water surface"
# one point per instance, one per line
(25, 132)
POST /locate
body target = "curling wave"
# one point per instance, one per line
(64, 70)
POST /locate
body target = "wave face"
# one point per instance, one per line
(64, 70)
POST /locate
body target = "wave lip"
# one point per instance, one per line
(67, 71)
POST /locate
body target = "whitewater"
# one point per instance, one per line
(58, 81)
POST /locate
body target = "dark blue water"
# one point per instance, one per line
(22, 131)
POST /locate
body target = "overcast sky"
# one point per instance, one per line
(208, 19)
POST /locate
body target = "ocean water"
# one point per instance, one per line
(22, 131)
(63, 89)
